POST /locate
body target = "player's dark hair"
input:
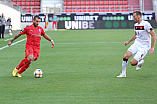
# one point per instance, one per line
(36, 17)
(137, 13)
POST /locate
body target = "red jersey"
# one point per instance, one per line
(33, 35)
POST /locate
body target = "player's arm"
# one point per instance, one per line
(130, 40)
(151, 50)
(49, 39)
(10, 42)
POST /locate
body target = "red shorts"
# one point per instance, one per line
(54, 22)
(32, 50)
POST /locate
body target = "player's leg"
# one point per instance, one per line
(139, 63)
(3, 29)
(138, 58)
(30, 58)
(133, 62)
(125, 63)
(22, 63)
(28, 51)
(52, 25)
(131, 51)
(55, 25)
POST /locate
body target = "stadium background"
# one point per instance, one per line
(112, 14)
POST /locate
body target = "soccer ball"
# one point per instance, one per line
(38, 73)
(10, 34)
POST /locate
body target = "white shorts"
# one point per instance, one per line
(138, 52)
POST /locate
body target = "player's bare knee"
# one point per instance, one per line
(126, 57)
(133, 63)
(30, 59)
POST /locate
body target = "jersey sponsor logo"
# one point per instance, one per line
(139, 27)
(38, 35)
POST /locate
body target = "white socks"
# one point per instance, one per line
(124, 65)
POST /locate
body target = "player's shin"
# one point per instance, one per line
(124, 66)
(23, 62)
(23, 68)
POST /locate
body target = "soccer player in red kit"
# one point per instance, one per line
(34, 33)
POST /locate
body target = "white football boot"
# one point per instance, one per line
(139, 65)
(121, 75)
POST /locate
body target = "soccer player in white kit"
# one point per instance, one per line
(141, 45)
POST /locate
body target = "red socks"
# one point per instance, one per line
(23, 68)
(23, 62)
(24, 65)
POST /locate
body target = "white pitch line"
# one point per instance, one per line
(8, 39)
(13, 43)
(64, 43)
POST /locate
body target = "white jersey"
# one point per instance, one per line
(143, 38)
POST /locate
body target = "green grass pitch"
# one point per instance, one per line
(80, 69)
